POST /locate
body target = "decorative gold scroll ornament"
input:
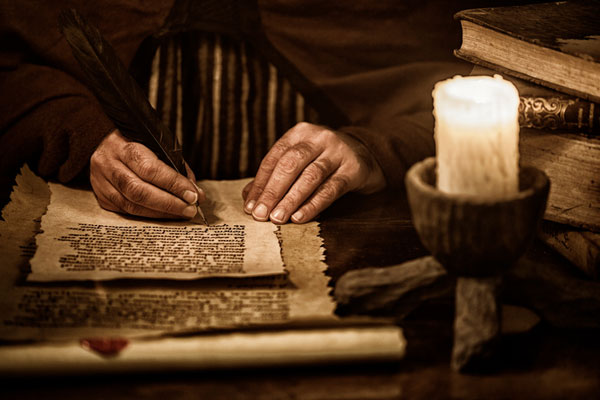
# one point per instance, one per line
(543, 112)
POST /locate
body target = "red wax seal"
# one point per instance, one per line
(107, 347)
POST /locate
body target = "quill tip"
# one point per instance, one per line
(200, 218)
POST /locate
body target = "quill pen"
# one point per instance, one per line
(119, 94)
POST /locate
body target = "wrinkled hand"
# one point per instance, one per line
(127, 177)
(307, 170)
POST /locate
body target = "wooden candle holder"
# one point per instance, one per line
(476, 239)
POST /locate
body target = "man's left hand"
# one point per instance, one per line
(305, 171)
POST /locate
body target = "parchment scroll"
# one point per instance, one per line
(81, 241)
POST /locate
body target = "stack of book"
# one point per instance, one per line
(551, 51)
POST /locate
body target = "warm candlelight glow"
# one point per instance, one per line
(477, 135)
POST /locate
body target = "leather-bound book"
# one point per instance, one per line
(555, 44)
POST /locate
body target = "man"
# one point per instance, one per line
(375, 61)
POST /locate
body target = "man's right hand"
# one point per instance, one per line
(127, 177)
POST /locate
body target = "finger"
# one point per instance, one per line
(287, 170)
(265, 169)
(246, 189)
(146, 195)
(332, 189)
(146, 165)
(112, 200)
(99, 187)
(310, 179)
(192, 177)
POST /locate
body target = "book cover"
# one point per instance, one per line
(572, 163)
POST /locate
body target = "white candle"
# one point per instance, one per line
(477, 136)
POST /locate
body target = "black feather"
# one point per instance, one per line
(119, 94)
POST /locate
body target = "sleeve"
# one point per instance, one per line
(52, 122)
(48, 117)
(393, 117)
(396, 149)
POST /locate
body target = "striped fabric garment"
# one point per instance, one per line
(225, 102)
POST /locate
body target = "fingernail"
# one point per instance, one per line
(190, 197)
(250, 206)
(190, 211)
(277, 215)
(297, 216)
(260, 212)
(199, 190)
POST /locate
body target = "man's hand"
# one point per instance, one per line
(127, 177)
(307, 170)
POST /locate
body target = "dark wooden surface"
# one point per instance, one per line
(359, 231)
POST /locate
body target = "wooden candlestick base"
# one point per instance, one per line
(475, 239)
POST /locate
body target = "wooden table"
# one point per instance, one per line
(361, 231)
